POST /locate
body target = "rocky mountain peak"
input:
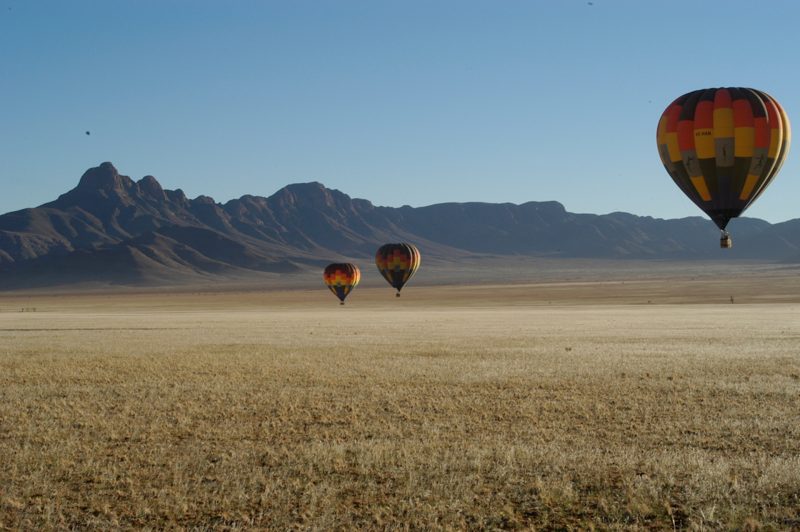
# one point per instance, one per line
(150, 186)
(311, 195)
(103, 177)
(204, 200)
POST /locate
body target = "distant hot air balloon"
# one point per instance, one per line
(341, 278)
(722, 147)
(397, 263)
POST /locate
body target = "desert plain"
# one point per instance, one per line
(651, 398)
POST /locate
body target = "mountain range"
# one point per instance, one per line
(112, 229)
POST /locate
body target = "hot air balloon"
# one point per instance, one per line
(397, 263)
(722, 148)
(341, 278)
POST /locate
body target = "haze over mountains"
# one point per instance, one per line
(111, 228)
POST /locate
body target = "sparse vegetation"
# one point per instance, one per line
(286, 411)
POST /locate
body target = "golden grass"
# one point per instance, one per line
(284, 410)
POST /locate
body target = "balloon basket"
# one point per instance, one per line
(397, 294)
(341, 302)
(725, 241)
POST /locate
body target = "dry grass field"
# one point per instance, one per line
(653, 404)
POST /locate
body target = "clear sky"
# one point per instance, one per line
(401, 102)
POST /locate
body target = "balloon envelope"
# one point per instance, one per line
(341, 278)
(722, 147)
(397, 263)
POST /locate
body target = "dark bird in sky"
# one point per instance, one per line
(88, 133)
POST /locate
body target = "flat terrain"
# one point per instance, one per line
(652, 403)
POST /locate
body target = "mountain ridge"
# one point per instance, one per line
(151, 234)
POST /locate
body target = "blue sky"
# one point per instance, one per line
(412, 102)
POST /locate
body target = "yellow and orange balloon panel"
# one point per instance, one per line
(341, 278)
(397, 263)
(723, 147)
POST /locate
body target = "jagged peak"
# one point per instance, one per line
(250, 198)
(310, 185)
(247, 199)
(176, 195)
(317, 195)
(104, 176)
(204, 200)
(150, 185)
(313, 190)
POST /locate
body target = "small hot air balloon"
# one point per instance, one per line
(341, 278)
(722, 147)
(397, 263)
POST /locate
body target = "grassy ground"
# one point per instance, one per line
(559, 406)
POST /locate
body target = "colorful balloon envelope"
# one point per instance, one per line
(397, 263)
(341, 278)
(723, 147)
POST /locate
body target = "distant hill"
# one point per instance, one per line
(113, 229)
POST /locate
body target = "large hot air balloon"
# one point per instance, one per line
(722, 147)
(397, 263)
(341, 278)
